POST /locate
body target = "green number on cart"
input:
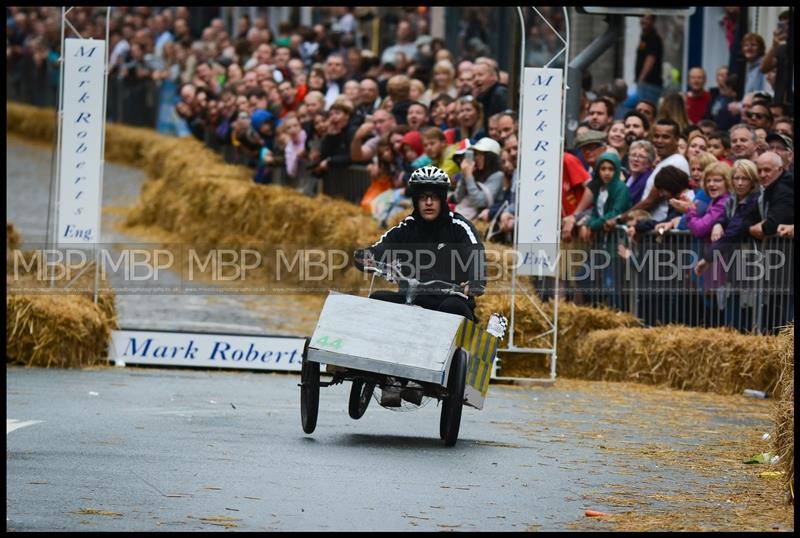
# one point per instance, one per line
(326, 342)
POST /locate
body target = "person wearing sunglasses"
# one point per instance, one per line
(759, 116)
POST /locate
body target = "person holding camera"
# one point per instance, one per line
(481, 180)
(246, 140)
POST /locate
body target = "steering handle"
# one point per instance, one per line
(392, 273)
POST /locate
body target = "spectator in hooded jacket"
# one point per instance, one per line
(611, 197)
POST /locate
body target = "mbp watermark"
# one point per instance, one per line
(263, 268)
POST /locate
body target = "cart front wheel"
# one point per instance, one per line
(309, 395)
(360, 395)
(451, 408)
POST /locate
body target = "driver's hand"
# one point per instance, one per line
(364, 257)
(476, 290)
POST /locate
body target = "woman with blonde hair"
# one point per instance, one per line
(674, 108)
(717, 185)
(728, 233)
(442, 81)
(697, 144)
(417, 90)
(616, 140)
(746, 190)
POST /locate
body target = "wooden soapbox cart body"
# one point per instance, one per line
(376, 343)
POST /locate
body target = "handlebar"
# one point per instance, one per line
(392, 273)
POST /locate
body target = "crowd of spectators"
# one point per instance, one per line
(309, 101)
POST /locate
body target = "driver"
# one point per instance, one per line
(432, 243)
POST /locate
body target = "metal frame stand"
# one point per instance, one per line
(512, 348)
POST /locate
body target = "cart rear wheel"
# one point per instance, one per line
(360, 395)
(450, 421)
(309, 394)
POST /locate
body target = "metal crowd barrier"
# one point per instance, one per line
(133, 101)
(28, 83)
(349, 183)
(750, 289)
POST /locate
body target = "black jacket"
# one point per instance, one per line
(448, 249)
(776, 205)
(494, 100)
(337, 147)
(400, 111)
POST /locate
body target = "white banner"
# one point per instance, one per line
(540, 171)
(82, 125)
(205, 350)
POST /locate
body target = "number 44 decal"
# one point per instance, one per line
(329, 342)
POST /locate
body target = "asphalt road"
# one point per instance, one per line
(136, 449)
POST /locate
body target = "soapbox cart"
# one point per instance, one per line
(403, 349)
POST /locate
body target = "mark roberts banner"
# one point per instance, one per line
(207, 350)
(82, 125)
(540, 171)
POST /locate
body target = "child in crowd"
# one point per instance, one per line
(632, 217)
(381, 170)
(611, 197)
(437, 152)
(719, 145)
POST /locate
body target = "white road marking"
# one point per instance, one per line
(12, 424)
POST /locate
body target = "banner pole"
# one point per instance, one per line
(102, 163)
(516, 194)
(57, 149)
(560, 192)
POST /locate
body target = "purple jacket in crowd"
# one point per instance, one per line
(736, 225)
(701, 226)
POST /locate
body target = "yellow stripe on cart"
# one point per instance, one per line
(481, 347)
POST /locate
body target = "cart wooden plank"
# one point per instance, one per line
(387, 338)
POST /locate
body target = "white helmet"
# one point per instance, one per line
(428, 178)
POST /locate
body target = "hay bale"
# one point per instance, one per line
(31, 122)
(577, 321)
(13, 239)
(56, 327)
(784, 410)
(531, 328)
(687, 358)
(56, 331)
